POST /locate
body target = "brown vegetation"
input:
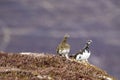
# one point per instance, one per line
(46, 67)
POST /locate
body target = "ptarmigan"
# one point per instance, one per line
(63, 48)
(85, 53)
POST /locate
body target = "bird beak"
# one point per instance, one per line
(90, 41)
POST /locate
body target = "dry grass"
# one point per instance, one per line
(46, 67)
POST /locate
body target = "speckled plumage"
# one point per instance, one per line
(63, 48)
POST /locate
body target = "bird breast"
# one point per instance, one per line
(84, 55)
(64, 51)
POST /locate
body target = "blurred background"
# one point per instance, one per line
(39, 25)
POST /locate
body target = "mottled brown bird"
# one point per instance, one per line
(63, 48)
(85, 53)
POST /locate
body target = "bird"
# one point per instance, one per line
(84, 53)
(63, 48)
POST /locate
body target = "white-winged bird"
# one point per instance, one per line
(84, 54)
(63, 48)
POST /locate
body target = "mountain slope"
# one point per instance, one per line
(34, 66)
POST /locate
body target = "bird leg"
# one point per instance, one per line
(66, 55)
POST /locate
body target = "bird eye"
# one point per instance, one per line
(79, 57)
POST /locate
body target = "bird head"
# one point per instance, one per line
(66, 35)
(89, 41)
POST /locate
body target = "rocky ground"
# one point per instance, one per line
(34, 66)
